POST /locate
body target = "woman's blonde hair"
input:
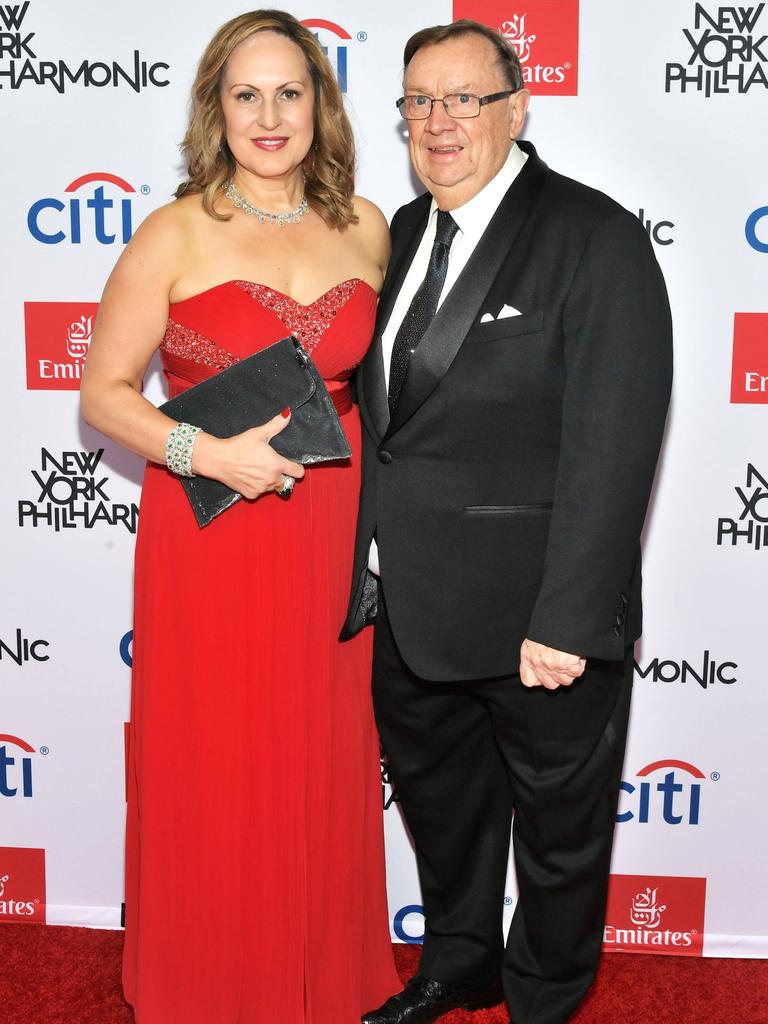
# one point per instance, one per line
(329, 166)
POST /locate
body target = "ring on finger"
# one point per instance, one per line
(287, 489)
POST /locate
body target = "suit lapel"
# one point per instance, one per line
(442, 341)
(407, 234)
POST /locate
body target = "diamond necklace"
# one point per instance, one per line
(264, 216)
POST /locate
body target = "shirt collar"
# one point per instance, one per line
(475, 215)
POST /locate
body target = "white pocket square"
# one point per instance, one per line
(506, 311)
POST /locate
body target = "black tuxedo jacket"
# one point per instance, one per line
(508, 492)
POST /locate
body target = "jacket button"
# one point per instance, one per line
(385, 457)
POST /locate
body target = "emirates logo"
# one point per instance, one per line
(22, 885)
(544, 33)
(637, 921)
(79, 335)
(15, 908)
(645, 911)
(514, 33)
(58, 338)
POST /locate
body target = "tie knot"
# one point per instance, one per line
(446, 228)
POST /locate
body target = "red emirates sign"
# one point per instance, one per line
(22, 885)
(655, 914)
(58, 336)
(545, 34)
(749, 372)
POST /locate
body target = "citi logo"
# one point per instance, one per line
(408, 924)
(399, 924)
(92, 214)
(675, 797)
(706, 674)
(22, 649)
(335, 51)
(14, 908)
(751, 227)
(15, 770)
(126, 648)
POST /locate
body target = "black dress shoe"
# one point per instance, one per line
(424, 1000)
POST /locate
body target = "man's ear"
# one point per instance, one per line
(518, 108)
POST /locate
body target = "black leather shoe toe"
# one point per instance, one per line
(423, 1000)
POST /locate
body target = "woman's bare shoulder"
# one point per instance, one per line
(370, 215)
(372, 229)
(175, 218)
(166, 236)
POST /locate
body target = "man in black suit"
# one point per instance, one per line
(513, 404)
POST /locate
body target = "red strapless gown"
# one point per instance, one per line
(255, 859)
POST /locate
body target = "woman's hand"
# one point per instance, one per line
(246, 462)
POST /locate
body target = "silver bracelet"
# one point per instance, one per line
(178, 449)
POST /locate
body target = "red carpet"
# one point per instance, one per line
(72, 976)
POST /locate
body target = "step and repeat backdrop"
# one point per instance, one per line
(661, 104)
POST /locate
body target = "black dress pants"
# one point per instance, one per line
(462, 756)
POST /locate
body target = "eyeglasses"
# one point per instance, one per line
(461, 104)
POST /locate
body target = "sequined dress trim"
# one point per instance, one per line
(308, 323)
(185, 343)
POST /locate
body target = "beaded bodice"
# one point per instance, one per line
(187, 343)
(308, 323)
(215, 329)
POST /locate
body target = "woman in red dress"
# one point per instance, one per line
(255, 872)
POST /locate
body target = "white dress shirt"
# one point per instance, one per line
(472, 219)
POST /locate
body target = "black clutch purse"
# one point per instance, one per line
(250, 393)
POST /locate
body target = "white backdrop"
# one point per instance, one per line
(87, 155)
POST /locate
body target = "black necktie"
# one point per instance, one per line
(423, 306)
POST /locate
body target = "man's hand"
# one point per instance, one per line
(544, 666)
